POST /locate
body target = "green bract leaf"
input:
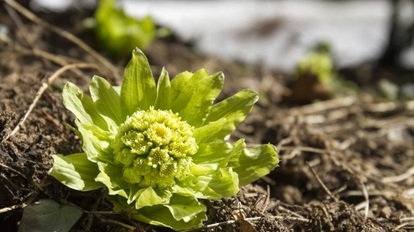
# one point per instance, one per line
(213, 131)
(207, 153)
(94, 147)
(182, 213)
(138, 91)
(193, 101)
(75, 171)
(107, 100)
(233, 109)
(209, 182)
(179, 83)
(82, 106)
(158, 149)
(48, 216)
(110, 176)
(225, 116)
(223, 182)
(150, 197)
(253, 163)
(163, 100)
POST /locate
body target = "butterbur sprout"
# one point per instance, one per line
(160, 148)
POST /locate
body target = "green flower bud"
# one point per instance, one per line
(155, 147)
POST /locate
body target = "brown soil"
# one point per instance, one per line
(347, 164)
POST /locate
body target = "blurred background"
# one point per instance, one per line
(277, 33)
(365, 40)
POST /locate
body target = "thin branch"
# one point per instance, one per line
(399, 178)
(322, 184)
(366, 196)
(18, 21)
(13, 207)
(58, 59)
(407, 219)
(89, 223)
(390, 106)
(303, 149)
(231, 222)
(42, 89)
(209, 226)
(323, 106)
(13, 170)
(281, 208)
(64, 34)
(399, 227)
(101, 212)
(131, 228)
(61, 60)
(267, 198)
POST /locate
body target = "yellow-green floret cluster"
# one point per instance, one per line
(155, 147)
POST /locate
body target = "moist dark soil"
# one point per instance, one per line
(347, 163)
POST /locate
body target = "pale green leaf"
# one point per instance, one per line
(179, 83)
(224, 182)
(163, 100)
(75, 171)
(195, 97)
(107, 100)
(234, 108)
(111, 177)
(224, 117)
(103, 135)
(82, 106)
(47, 215)
(253, 163)
(134, 192)
(213, 131)
(138, 90)
(213, 152)
(182, 213)
(94, 147)
(196, 185)
(150, 197)
(209, 182)
(185, 207)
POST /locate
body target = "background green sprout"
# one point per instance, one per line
(159, 148)
(319, 63)
(112, 24)
(316, 78)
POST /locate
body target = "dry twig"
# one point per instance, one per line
(322, 184)
(399, 178)
(129, 227)
(323, 106)
(42, 89)
(64, 34)
(230, 222)
(13, 207)
(366, 196)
